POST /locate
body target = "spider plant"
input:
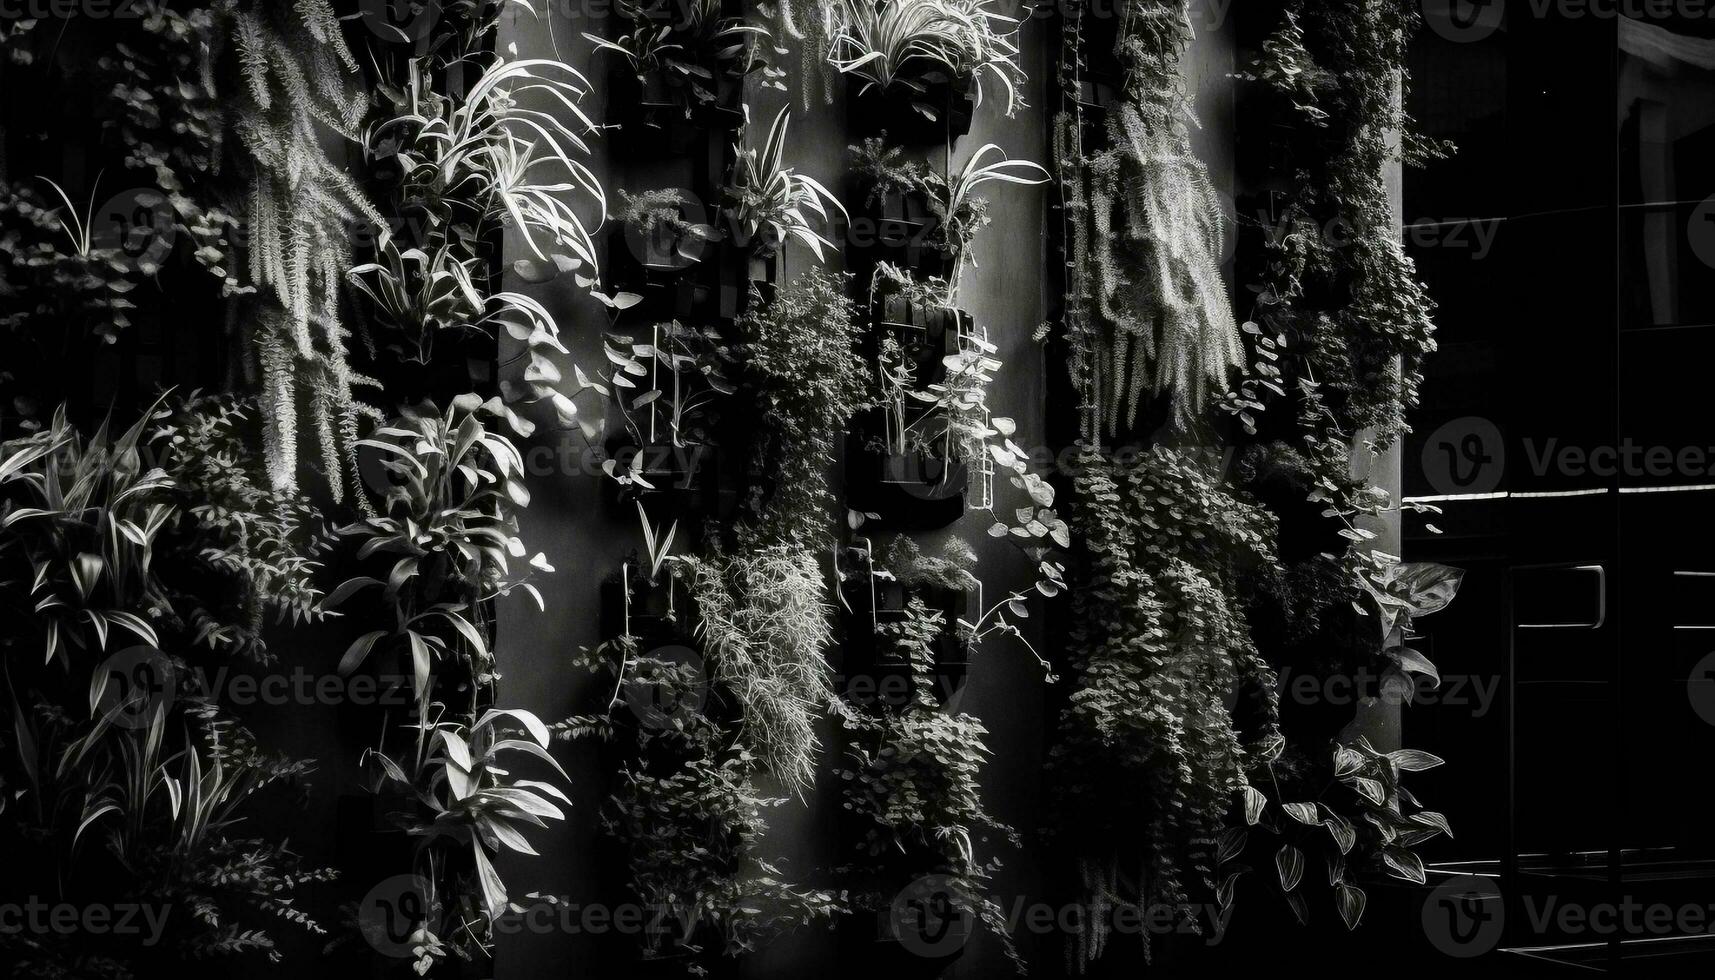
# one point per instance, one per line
(420, 293)
(492, 149)
(81, 230)
(770, 203)
(693, 52)
(962, 213)
(907, 44)
(647, 48)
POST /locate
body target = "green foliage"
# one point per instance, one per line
(293, 90)
(466, 167)
(82, 524)
(1343, 287)
(81, 520)
(1352, 808)
(906, 45)
(958, 213)
(654, 212)
(1147, 311)
(468, 803)
(268, 544)
(769, 203)
(914, 779)
(806, 381)
(698, 54)
(686, 371)
(691, 817)
(766, 629)
(447, 526)
(1172, 701)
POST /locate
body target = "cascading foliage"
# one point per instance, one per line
(302, 207)
(1341, 299)
(1335, 69)
(1145, 300)
(1173, 679)
(1152, 748)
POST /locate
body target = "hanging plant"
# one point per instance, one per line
(1147, 313)
(769, 204)
(1334, 67)
(929, 55)
(685, 802)
(1173, 703)
(913, 781)
(682, 61)
(1339, 304)
(804, 380)
(950, 213)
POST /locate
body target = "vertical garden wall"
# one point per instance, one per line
(734, 489)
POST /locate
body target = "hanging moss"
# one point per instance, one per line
(1147, 312)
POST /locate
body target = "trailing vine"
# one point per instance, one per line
(1146, 308)
(1173, 703)
(913, 779)
(1341, 300)
(1340, 328)
(690, 799)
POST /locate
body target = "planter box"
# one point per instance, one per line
(952, 653)
(655, 270)
(725, 111)
(926, 333)
(714, 286)
(658, 614)
(740, 268)
(901, 229)
(650, 113)
(698, 476)
(910, 491)
(896, 111)
(874, 673)
(917, 949)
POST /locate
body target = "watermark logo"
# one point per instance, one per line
(928, 918)
(1464, 21)
(677, 244)
(140, 224)
(1464, 916)
(381, 471)
(67, 9)
(36, 916)
(1700, 231)
(1465, 455)
(132, 686)
(1700, 688)
(394, 915)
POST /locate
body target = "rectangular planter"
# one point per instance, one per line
(909, 491)
(894, 111)
(900, 229)
(650, 113)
